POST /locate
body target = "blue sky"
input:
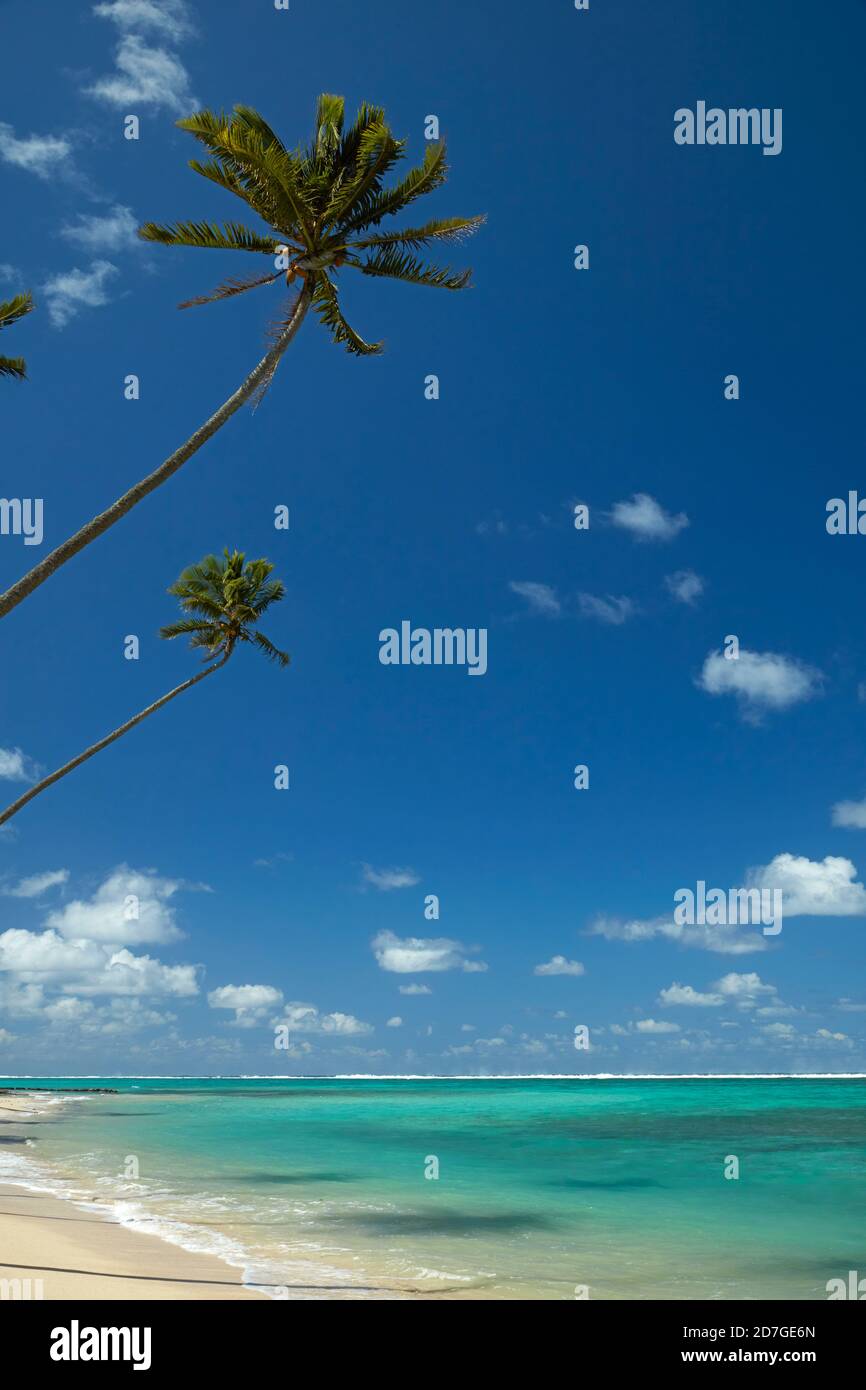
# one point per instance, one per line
(558, 387)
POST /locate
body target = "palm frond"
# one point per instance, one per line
(395, 264)
(330, 114)
(230, 288)
(378, 152)
(11, 310)
(13, 366)
(231, 236)
(185, 627)
(428, 175)
(327, 306)
(442, 229)
(273, 653)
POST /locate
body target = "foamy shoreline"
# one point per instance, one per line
(62, 1245)
(59, 1248)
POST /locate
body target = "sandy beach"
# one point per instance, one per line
(77, 1254)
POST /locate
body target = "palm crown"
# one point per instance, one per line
(320, 204)
(10, 312)
(226, 598)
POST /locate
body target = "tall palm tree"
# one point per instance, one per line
(10, 312)
(319, 205)
(225, 599)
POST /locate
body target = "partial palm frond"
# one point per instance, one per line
(13, 366)
(327, 306)
(11, 310)
(230, 288)
(429, 175)
(231, 236)
(443, 229)
(378, 152)
(395, 264)
(273, 653)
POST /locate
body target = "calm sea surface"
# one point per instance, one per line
(318, 1187)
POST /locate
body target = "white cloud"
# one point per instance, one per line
(128, 909)
(6, 1036)
(70, 291)
(413, 954)
(89, 967)
(415, 989)
(685, 586)
(610, 610)
(45, 156)
(759, 680)
(649, 1025)
(251, 1003)
(851, 814)
(15, 766)
(745, 991)
(725, 941)
(781, 1031)
(145, 76)
(36, 884)
(824, 1035)
(387, 879)
(305, 1018)
(125, 973)
(558, 965)
(646, 519)
(395, 1022)
(685, 995)
(113, 231)
(813, 888)
(541, 598)
(168, 17)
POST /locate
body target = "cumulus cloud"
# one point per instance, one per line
(395, 1022)
(387, 879)
(89, 967)
(70, 291)
(305, 1018)
(250, 1003)
(650, 1025)
(745, 991)
(169, 18)
(540, 598)
(646, 520)
(415, 989)
(46, 156)
(559, 965)
(724, 940)
(685, 995)
(851, 814)
(813, 888)
(413, 954)
(114, 230)
(613, 611)
(129, 908)
(685, 586)
(15, 766)
(759, 681)
(37, 884)
(145, 76)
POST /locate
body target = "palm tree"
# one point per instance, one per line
(10, 312)
(225, 599)
(319, 205)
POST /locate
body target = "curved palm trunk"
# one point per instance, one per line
(259, 376)
(110, 738)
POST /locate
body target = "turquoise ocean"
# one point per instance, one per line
(547, 1188)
